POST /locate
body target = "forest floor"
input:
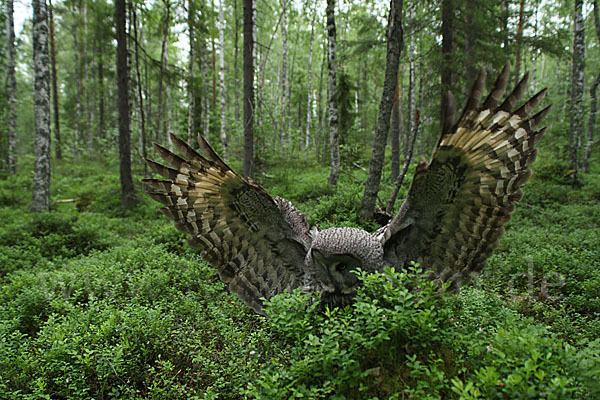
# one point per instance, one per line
(100, 303)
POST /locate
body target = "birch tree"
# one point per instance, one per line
(285, 98)
(394, 48)
(57, 141)
(332, 108)
(308, 81)
(164, 57)
(86, 78)
(235, 58)
(577, 79)
(41, 108)
(11, 87)
(248, 89)
(79, 84)
(593, 102)
(223, 134)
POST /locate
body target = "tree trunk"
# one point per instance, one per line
(332, 108)
(11, 88)
(593, 103)
(214, 64)
(396, 129)
(470, 42)
(536, 52)
(140, 96)
(407, 160)
(577, 80)
(162, 67)
(417, 113)
(127, 191)
(519, 40)
(585, 165)
(248, 89)
(394, 48)
(284, 79)
(448, 50)
(148, 96)
(223, 135)
(236, 78)
(77, 67)
(320, 107)
(289, 90)
(57, 144)
(88, 109)
(505, 15)
(101, 130)
(41, 109)
(411, 81)
(190, 83)
(308, 86)
(205, 101)
(169, 104)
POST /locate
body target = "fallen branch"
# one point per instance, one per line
(535, 209)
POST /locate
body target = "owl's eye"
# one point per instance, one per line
(341, 267)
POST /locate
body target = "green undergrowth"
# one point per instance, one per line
(98, 302)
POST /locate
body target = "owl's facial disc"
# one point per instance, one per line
(338, 274)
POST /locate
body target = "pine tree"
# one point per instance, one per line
(127, 191)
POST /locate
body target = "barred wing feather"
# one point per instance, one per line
(457, 205)
(256, 243)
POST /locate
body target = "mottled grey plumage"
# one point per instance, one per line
(450, 222)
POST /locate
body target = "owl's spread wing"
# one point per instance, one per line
(457, 205)
(256, 243)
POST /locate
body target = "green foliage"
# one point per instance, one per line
(98, 303)
(395, 342)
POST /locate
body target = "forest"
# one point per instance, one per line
(330, 105)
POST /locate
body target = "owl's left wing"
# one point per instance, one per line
(458, 203)
(256, 243)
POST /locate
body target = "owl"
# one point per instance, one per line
(449, 222)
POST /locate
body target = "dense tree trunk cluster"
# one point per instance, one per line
(284, 112)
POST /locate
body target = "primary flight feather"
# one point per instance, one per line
(450, 221)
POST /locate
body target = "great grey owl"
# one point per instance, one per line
(449, 223)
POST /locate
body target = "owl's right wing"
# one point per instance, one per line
(256, 243)
(458, 203)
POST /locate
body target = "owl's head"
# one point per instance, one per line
(335, 254)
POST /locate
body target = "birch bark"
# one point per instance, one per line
(41, 108)
(11, 87)
(577, 79)
(332, 108)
